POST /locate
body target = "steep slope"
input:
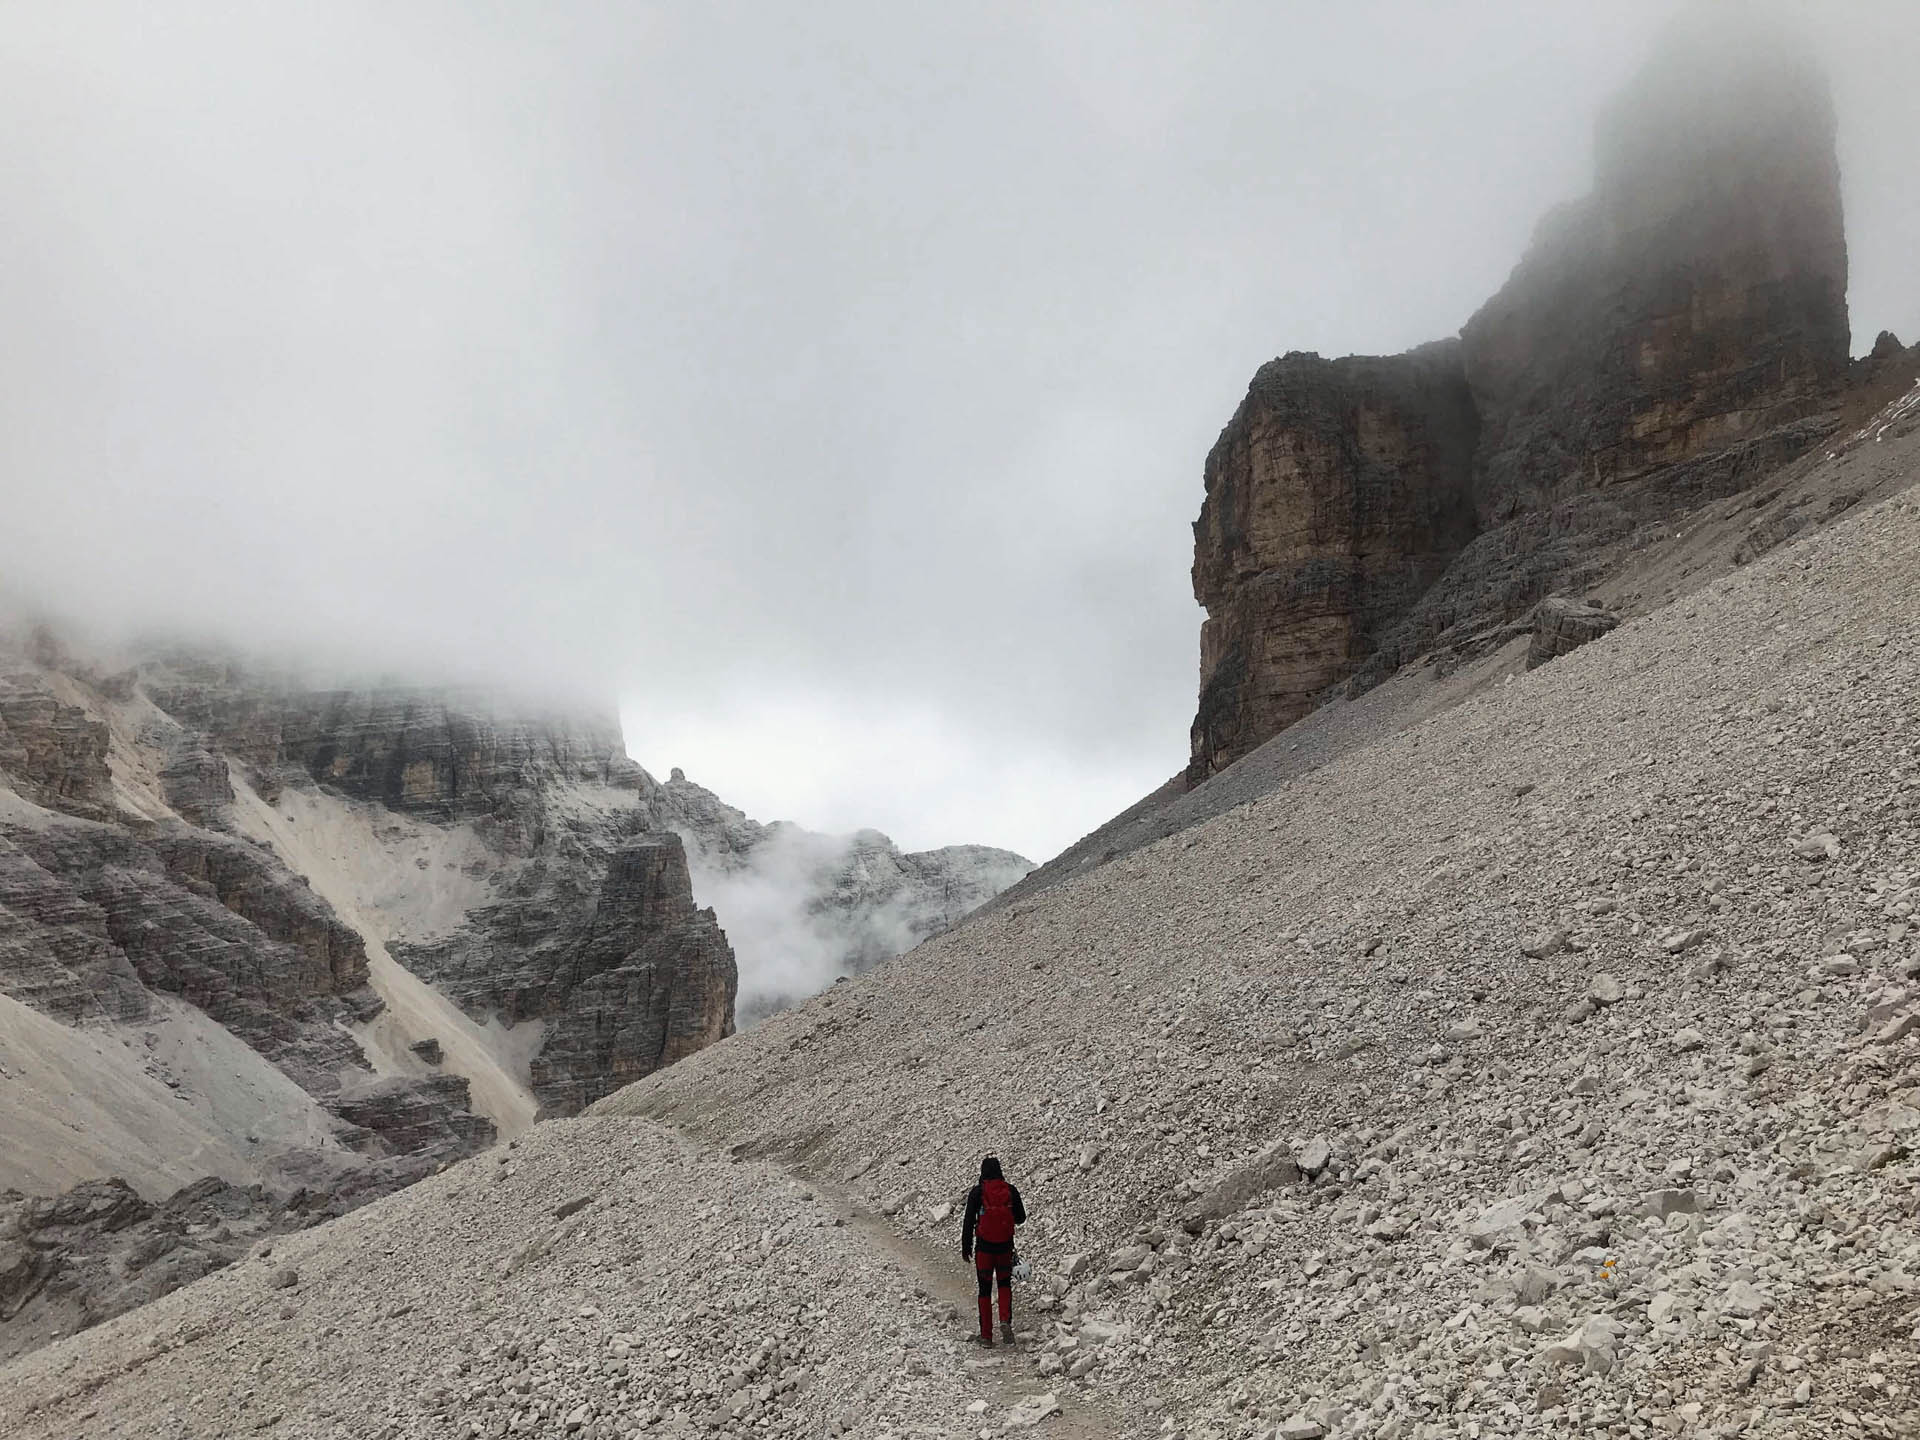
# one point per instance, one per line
(1600, 1010)
(1872, 456)
(1548, 1068)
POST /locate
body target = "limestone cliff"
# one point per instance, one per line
(600, 939)
(120, 914)
(441, 754)
(1336, 495)
(1696, 299)
(1670, 339)
(576, 917)
(434, 911)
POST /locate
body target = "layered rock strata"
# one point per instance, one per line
(1561, 625)
(93, 919)
(605, 944)
(1337, 494)
(333, 937)
(442, 754)
(1674, 337)
(586, 921)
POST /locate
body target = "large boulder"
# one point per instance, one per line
(1560, 625)
(1271, 1169)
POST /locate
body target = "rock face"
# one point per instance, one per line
(99, 1250)
(1672, 338)
(1696, 299)
(1336, 495)
(53, 752)
(441, 754)
(1560, 625)
(109, 901)
(586, 922)
(415, 1115)
(603, 943)
(98, 918)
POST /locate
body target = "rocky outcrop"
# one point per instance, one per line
(1696, 299)
(104, 908)
(197, 782)
(55, 953)
(54, 754)
(184, 913)
(442, 754)
(415, 1115)
(1560, 625)
(589, 928)
(603, 943)
(74, 1260)
(1673, 338)
(1336, 495)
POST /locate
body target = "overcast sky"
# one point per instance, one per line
(829, 382)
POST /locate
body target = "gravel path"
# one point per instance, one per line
(597, 1278)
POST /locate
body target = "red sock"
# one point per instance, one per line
(986, 1318)
(1006, 1302)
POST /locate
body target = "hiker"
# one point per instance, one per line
(986, 1238)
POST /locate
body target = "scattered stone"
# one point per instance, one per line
(1897, 1028)
(1031, 1411)
(1605, 989)
(1744, 1299)
(1270, 1170)
(1499, 1226)
(1662, 1203)
(1543, 944)
(1591, 1345)
(1819, 847)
